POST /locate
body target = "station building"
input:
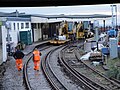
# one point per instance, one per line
(28, 28)
(10, 29)
(42, 26)
(18, 27)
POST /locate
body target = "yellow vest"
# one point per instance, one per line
(36, 55)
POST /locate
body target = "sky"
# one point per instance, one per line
(68, 10)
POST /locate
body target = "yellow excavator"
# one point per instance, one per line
(67, 32)
(82, 30)
(63, 35)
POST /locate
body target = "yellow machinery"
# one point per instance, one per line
(80, 31)
(64, 30)
(83, 31)
(63, 35)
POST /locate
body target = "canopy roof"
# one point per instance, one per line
(17, 14)
(75, 16)
(68, 16)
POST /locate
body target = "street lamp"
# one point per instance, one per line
(116, 15)
(96, 25)
(7, 25)
(113, 15)
(8, 33)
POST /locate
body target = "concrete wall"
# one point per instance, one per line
(14, 37)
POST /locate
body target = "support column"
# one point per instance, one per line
(4, 34)
(104, 25)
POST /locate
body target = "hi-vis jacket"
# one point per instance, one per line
(36, 55)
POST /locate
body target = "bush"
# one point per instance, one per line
(118, 75)
(113, 72)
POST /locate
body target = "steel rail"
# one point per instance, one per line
(49, 74)
(117, 86)
(83, 83)
(111, 81)
(25, 75)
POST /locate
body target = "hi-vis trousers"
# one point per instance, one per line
(19, 64)
(36, 64)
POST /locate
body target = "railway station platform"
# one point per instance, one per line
(29, 48)
(12, 79)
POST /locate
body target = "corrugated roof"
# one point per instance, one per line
(16, 13)
(13, 14)
(73, 16)
(17, 19)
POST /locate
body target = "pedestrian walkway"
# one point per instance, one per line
(29, 48)
(12, 78)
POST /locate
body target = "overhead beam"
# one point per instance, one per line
(42, 3)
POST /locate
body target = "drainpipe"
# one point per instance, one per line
(104, 25)
(112, 16)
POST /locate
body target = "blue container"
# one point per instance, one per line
(111, 33)
(105, 51)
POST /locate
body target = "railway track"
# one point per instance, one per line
(25, 70)
(54, 72)
(50, 75)
(47, 70)
(107, 83)
(57, 79)
(92, 80)
(80, 79)
(86, 77)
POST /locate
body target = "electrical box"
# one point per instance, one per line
(113, 48)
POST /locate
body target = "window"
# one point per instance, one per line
(14, 26)
(26, 25)
(9, 26)
(18, 26)
(34, 25)
(22, 25)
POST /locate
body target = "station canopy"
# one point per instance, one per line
(61, 17)
(77, 16)
(39, 18)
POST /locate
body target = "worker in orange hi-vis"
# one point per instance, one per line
(36, 59)
(18, 55)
